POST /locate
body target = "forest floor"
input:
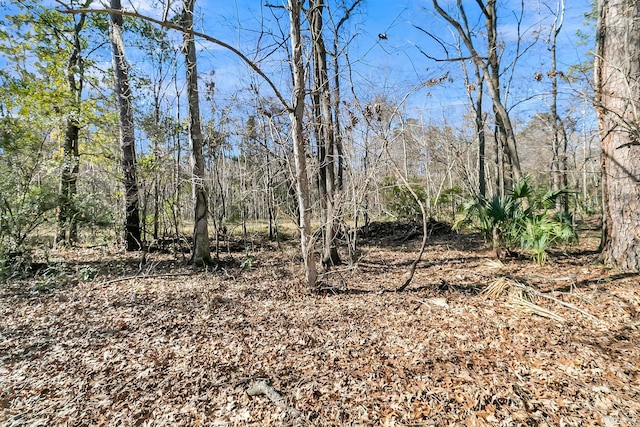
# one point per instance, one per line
(93, 340)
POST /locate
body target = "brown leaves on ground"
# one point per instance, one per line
(184, 349)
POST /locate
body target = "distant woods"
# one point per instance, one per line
(95, 151)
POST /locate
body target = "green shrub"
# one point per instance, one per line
(22, 210)
(521, 219)
(400, 202)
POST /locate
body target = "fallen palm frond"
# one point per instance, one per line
(498, 287)
(494, 264)
(529, 307)
(439, 302)
(522, 295)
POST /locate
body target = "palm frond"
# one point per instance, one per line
(549, 199)
(494, 264)
(522, 189)
(529, 307)
(497, 288)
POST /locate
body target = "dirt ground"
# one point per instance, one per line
(96, 339)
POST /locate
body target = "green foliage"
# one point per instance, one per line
(588, 206)
(448, 195)
(399, 200)
(86, 274)
(247, 263)
(49, 278)
(28, 123)
(92, 210)
(28, 193)
(586, 37)
(36, 103)
(22, 210)
(14, 264)
(522, 219)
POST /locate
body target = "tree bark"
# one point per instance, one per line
(559, 144)
(480, 131)
(296, 113)
(201, 251)
(479, 119)
(127, 138)
(326, 135)
(67, 224)
(617, 84)
(67, 214)
(492, 75)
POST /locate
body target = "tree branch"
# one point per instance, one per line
(264, 388)
(206, 37)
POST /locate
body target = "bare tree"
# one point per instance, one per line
(127, 138)
(296, 114)
(325, 131)
(336, 54)
(490, 67)
(559, 144)
(201, 253)
(477, 86)
(295, 110)
(617, 67)
(160, 53)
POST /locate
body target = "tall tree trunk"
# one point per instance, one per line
(479, 123)
(559, 143)
(500, 168)
(326, 140)
(67, 224)
(127, 139)
(491, 69)
(480, 131)
(201, 251)
(296, 114)
(617, 84)
(476, 105)
(156, 161)
(67, 214)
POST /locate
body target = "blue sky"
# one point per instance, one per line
(395, 66)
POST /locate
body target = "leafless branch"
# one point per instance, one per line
(194, 33)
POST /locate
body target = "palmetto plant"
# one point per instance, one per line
(519, 220)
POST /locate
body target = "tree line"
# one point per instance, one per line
(93, 148)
